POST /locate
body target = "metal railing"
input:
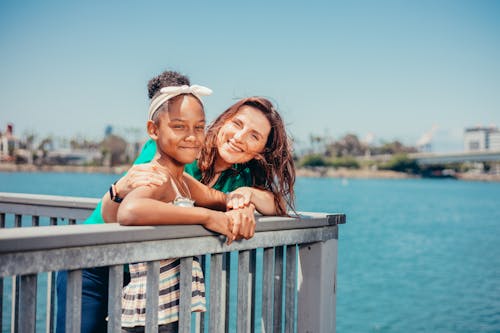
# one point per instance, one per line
(286, 274)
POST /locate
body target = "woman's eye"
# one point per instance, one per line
(200, 128)
(237, 123)
(179, 126)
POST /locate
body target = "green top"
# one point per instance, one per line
(228, 181)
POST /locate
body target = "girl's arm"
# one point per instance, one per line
(143, 206)
(138, 175)
(262, 199)
(205, 196)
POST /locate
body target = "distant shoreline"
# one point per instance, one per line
(301, 172)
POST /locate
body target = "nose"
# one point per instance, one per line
(191, 135)
(239, 135)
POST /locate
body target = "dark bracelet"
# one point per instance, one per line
(113, 194)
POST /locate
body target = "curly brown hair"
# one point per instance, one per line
(272, 170)
(166, 79)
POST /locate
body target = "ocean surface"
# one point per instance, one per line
(416, 255)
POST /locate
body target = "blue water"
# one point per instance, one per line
(414, 256)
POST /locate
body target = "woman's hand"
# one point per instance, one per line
(139, 175)
(243, 222)
(243, 196)
(239, 198)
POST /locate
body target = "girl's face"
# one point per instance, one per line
(244, 136)
(180, 132)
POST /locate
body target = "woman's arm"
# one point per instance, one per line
(138, 175)
(262, 199)
(143, 206)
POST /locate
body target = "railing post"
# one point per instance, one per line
(316, 294)
(73, 301)
(279, 252)
(114, 298)
(291, 288)
(244, 302)
(216, 312)
(185, 290)
(267, 289)
(27, 303)
(152, 294)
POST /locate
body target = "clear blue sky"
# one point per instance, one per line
(391, 68)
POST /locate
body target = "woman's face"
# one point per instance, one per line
(243, 136)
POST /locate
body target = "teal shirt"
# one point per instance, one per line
(228, 181)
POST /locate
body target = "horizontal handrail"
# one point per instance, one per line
(54, 237)
(77, 208)
(38, 249)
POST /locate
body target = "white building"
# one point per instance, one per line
(481, 138)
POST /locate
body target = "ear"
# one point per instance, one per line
(152, 130)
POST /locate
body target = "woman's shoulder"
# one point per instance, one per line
(147, 153)
(193, 170)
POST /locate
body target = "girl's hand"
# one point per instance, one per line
(243, 222)
(221, 223)
(239, 198)
(139, 175)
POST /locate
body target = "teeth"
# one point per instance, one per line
(233, 147)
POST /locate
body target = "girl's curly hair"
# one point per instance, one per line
(166, 79)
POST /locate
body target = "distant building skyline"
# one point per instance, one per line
(481, 138)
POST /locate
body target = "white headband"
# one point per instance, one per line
(167, 93)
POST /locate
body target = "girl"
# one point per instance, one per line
(177, 125)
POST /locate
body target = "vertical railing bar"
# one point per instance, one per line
(291, 288)
(227, 291)
(278, 288)
(253, 284)
(73, 301)
(1, 304)
(114, 298)
(50, 304)
(2, 225)
(72, 221)
(185, 281)
(53, 221)
(14, 303)
(27, 303)
(243, 301)
(216, 321)
(267, 289)
(18, 220)
(205, 259)
(35, 221)
(152, 295)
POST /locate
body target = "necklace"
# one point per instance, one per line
(179, 185)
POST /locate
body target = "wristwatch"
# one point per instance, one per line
(113, 194)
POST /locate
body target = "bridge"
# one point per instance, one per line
(444, 158)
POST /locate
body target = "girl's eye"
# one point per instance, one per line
(179, 126)
(200, 128)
